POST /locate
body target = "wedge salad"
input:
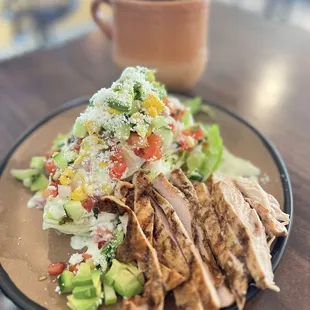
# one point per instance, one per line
(104, 184)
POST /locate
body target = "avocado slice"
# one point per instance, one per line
(83, 304)
(136, 272)
(65, 281)
(79, 280)
(22, 174)
(110, 297)
(40, 183)
(116, 267)
(37, 162)
(96, 276)
(84, 292)
(126, 284)
(74, 209)
(84, 270)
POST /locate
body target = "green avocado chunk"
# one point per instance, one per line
(110, 297)
(84, 292)
(83, 304)
(80, 280)
(96, 276)
(37, 162)
(65, 281)
(136, 272)
(39, 183)
(126, 284)
(74, 209)
(114, 270)
(22, 174)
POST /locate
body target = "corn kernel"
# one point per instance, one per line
(80, 158)
(78, 194)
(151, 111)
(153, 105)
(114, 111)
(90, 127)
(103, 164)
(64, 180)
(107, 189)
(69, 173)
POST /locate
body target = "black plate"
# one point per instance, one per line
(22, 301)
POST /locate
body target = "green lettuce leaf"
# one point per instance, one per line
(194, 104)
(214, 151)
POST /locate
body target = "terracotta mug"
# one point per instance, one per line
(170, 36)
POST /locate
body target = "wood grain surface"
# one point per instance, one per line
(259, 69)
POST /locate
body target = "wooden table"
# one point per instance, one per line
(257, 68)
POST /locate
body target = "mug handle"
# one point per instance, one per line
(103, 24)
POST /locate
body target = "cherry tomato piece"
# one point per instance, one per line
(50, 165)
(56, 268)
(88, 204)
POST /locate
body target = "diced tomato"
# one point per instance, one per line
(119, 165)
(101, 244)
(50, 165)
(166, 100)
(88, 204)
(172, 126)
(48, 154)
(56, 268)
(51, 192)
(78, 140)
(75, 147)
(198, 134)
(137, 141)
(177, 114)
(86, 256)
(73, 268)
(153, 150)
(48, 192)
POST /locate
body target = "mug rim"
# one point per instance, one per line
(166, 3)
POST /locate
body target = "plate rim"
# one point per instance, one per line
(10, 290)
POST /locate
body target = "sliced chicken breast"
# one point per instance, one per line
(235, 271)
(136, 247)
(199, 288)
(201, 238)
(162, 242)
(259, 200)
(245, 223)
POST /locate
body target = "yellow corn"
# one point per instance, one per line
(153, 105)
(80, 158)
(78, 194)
(64, 180)
(107, 189)
(103, 164)
(114, 111)
(90, 127)
(69, 173)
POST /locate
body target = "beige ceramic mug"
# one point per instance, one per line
(170, 36)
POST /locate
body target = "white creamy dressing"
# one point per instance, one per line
(237, 167)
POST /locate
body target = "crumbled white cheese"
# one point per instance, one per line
(75, 258)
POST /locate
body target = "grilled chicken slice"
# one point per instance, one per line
(176, 199)
(137, 248)
(198, 291)
(122, 190)
(231, 207)
(199, 232)
(279, 214)
(162, 242)
(259, 200)
(235, 271)
(142, 203)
